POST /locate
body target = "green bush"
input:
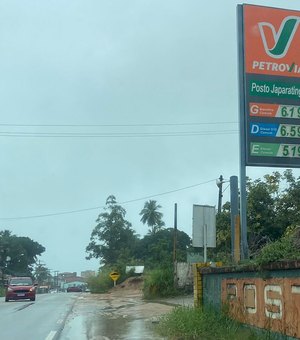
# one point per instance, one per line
(2, 291)
(159, 283)
(286, 248)
(100, 283)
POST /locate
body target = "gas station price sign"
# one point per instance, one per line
(270, 86)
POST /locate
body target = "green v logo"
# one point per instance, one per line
(282, 39)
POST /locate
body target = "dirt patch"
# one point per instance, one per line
(132, 283)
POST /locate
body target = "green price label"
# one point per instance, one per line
(275, 150)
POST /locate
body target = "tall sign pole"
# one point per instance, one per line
(234, 212)
(243, 196)
(269, 84)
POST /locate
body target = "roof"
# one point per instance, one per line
(75, 279)
(136, 269)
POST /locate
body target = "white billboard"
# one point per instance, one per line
(204, 226)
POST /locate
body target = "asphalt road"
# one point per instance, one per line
(119, 314)
(42, 319)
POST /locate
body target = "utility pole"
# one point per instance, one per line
(174, 246)
(56, 279)
(220, 186)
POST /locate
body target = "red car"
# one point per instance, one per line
(19, 288)
(74, 289)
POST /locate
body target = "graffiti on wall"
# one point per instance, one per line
(272, 303)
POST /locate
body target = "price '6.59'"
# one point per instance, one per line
(289, 131)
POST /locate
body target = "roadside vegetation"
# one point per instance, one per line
(273, 220)
(100, 283)
(2, 291)
(159, 283)
(287, 247)
(186, 323)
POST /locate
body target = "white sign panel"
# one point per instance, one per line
(204, 226)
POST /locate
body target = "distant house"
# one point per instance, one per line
(88, 273)
(66, 274)
(138, 270)
(75, 281)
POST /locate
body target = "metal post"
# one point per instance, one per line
(234, 208)
(220, 185)
(243, 149)
(237, 241)
(175, 232)
(205, 243)
(244, 241)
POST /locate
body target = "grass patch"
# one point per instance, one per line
(159, 283)
(2, 291)
(186, 323)
(100, 283)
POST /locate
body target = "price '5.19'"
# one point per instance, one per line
(290, 150)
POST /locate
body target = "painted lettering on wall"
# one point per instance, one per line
(266, 303)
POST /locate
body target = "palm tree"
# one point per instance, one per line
(152, 216)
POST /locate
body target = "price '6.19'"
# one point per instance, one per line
(290, 111)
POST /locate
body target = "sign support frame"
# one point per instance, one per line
(243, 176)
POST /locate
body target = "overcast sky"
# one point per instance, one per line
(132, 98)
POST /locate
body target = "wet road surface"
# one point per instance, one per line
(121, 314)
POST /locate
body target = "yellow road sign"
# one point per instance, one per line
(114, 276)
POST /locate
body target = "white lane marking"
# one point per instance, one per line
(51, 335)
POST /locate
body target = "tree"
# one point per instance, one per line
(18, 254)
(288, 207)
(113, 238)
(152, 216)
(262, 202)
(273, 208)
(42, 275)
(156, 249)
(260, 215)
(223, 230)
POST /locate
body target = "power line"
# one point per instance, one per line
(116, 125)
(113, 134)
(101, 207)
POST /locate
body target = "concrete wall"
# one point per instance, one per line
(184, 275)
(267, 297)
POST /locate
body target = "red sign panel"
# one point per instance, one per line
(272, 40)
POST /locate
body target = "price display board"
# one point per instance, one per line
(270, 86)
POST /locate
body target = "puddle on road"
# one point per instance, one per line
(120, 328)
(108, 327)
(113, 319)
